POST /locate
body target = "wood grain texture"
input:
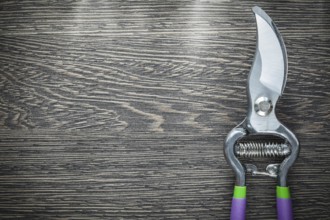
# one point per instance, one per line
(119, 109)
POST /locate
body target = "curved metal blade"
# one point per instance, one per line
(270, 64)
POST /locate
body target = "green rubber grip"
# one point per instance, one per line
(239, 192)
(283, 192)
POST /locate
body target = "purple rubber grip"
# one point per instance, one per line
(238, 209)
(284, 209)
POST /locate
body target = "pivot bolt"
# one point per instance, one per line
(263, 106)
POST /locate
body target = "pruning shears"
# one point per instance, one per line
(266, 83)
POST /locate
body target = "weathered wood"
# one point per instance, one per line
(119, 109)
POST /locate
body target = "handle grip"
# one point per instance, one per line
(238, 204)
(284, 203)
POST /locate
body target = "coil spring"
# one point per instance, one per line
(260, 149)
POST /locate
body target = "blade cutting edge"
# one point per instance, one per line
(272, 53)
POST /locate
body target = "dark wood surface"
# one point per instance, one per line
(119, 109)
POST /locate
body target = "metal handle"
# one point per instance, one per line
(284, 203)
(238, 204)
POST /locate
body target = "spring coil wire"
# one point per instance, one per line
(261, 149)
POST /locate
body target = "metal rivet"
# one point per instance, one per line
(263, 106)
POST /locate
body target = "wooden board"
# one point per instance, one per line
(119, 109)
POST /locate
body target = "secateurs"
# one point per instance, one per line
(266, 83)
